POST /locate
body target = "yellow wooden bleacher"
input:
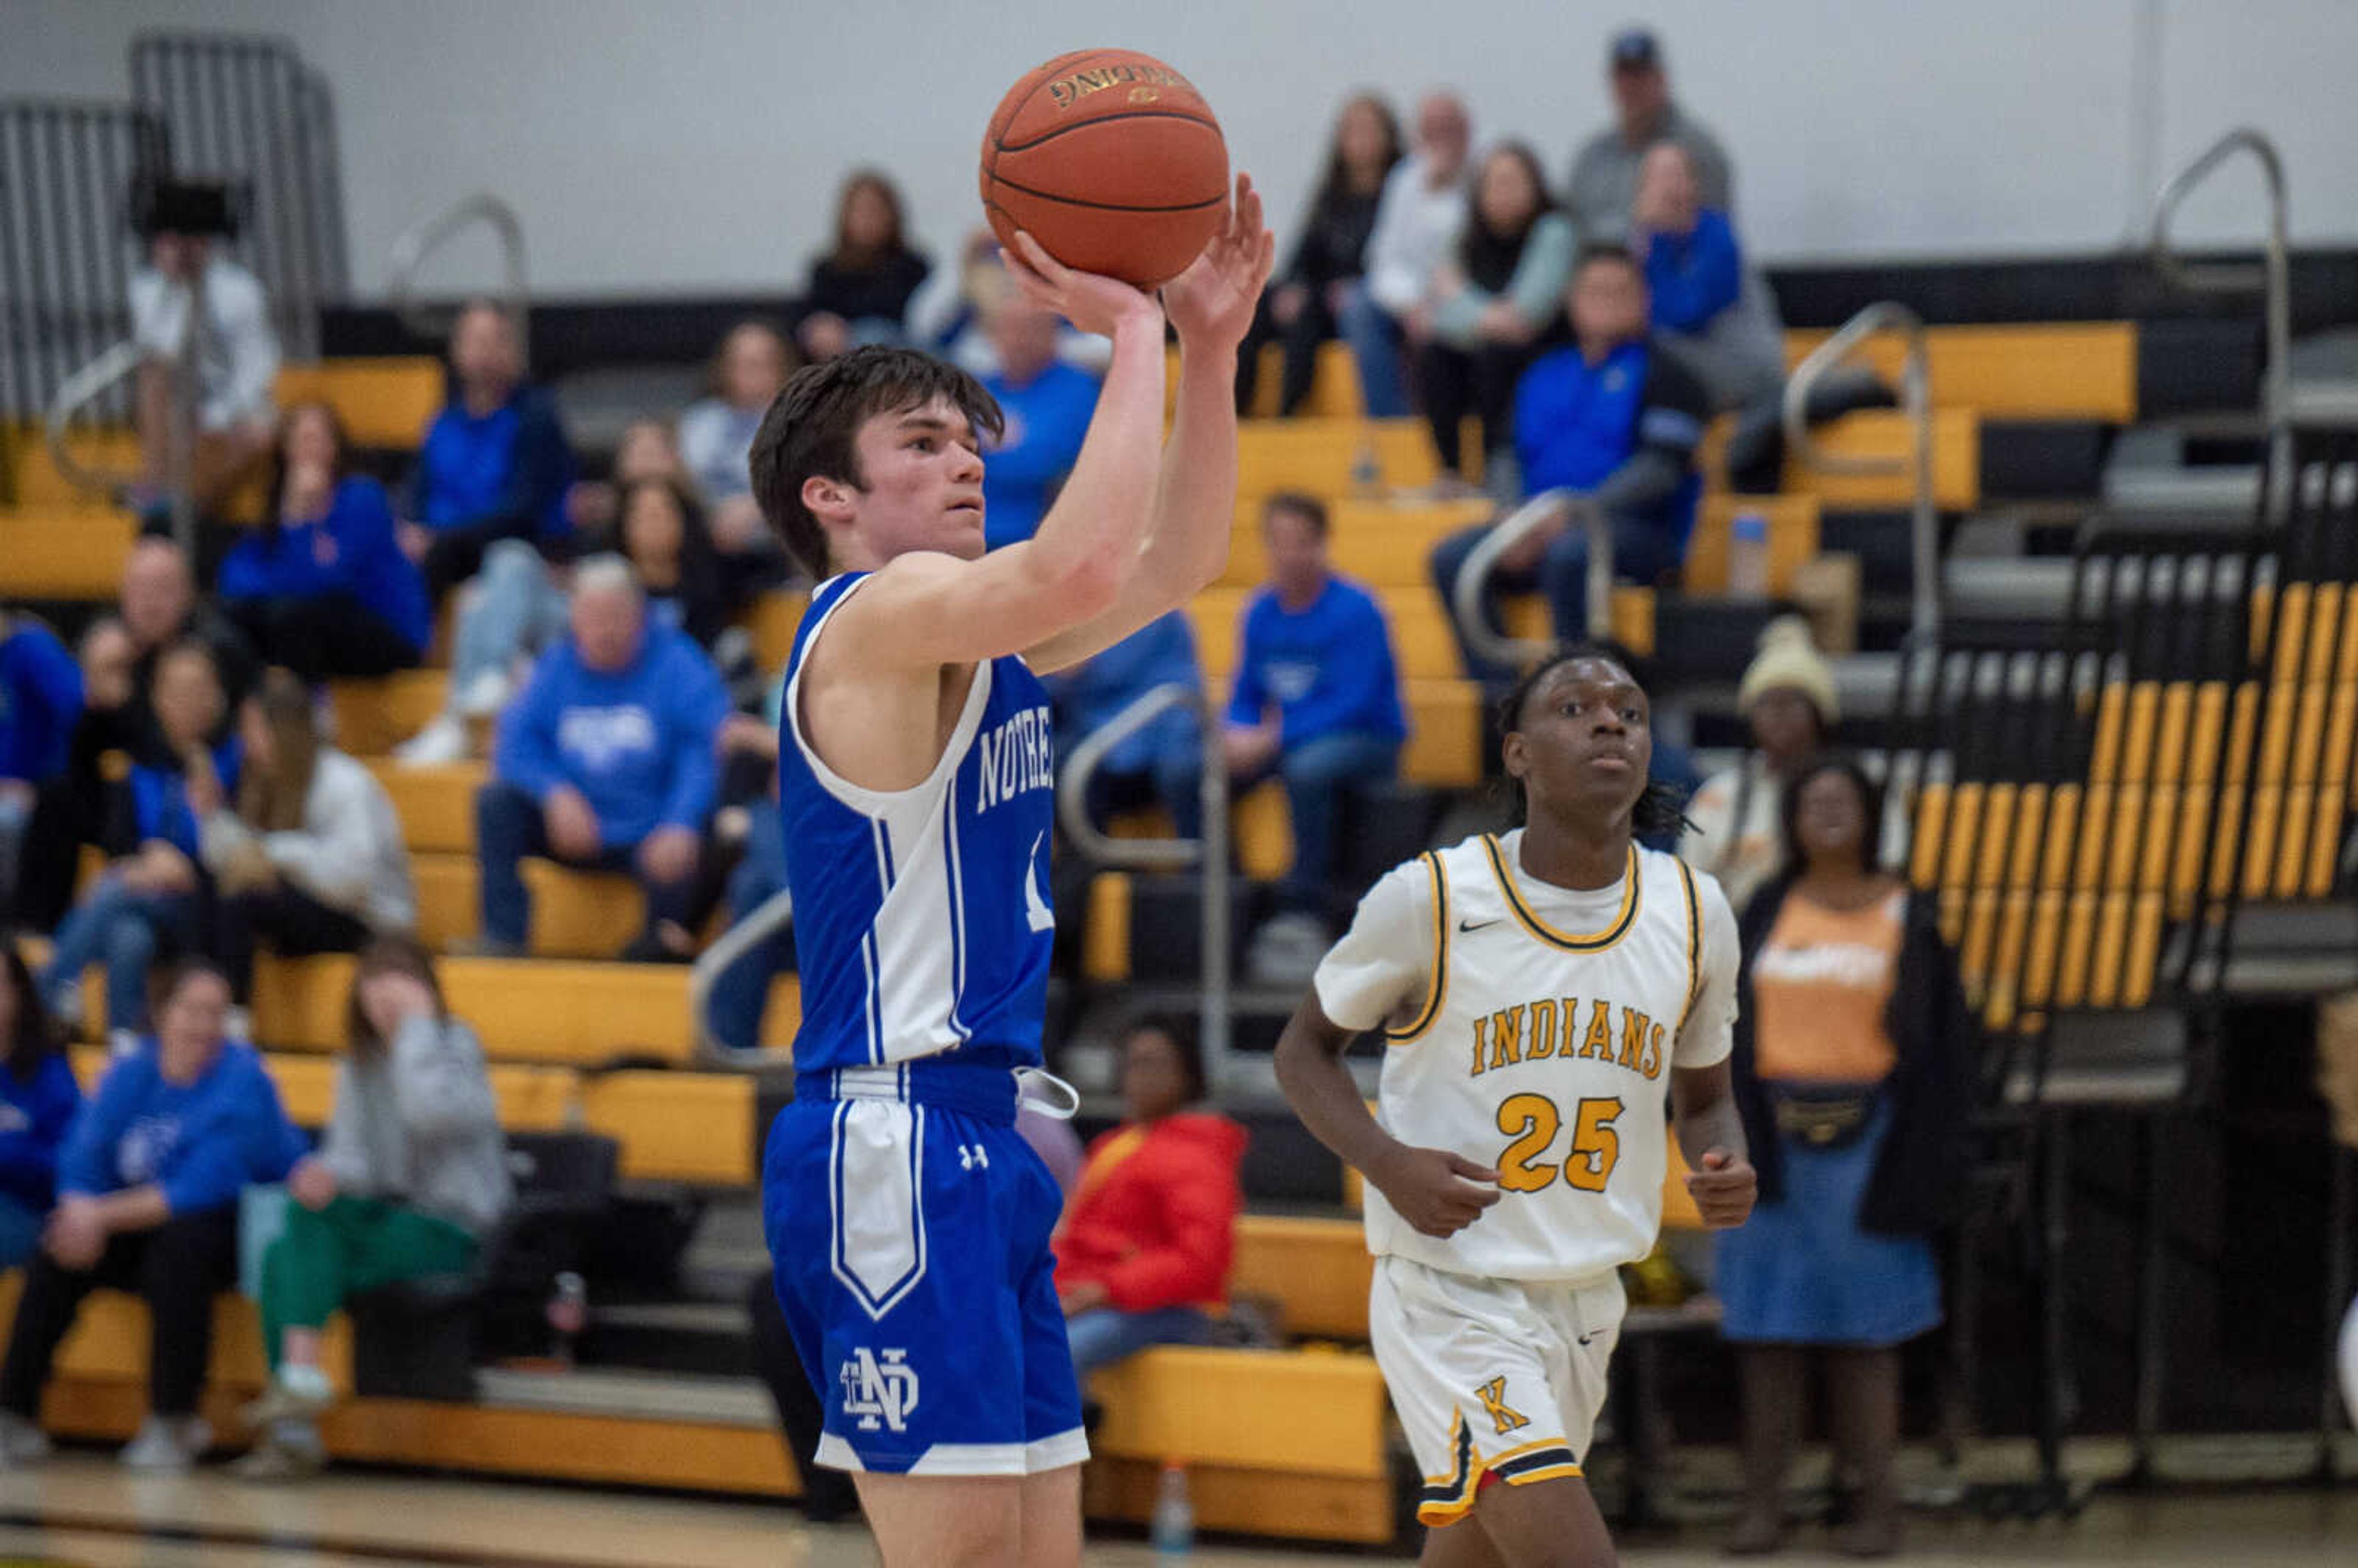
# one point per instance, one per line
(1887, 433)
(2080, 370)
(383, 403)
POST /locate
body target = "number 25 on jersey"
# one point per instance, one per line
(1532, 1122)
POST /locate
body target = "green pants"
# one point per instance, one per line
(352, 1245)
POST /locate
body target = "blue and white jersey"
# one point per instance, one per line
(922, 919)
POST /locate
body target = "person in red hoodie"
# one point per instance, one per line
(1149, 1229)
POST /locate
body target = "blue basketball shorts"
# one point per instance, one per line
(909, 1225)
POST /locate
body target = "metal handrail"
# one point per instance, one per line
(77, 392)
(421, 240)
(2272, 279)
(775, 912)
(1210, 852)
(1543, 510)
(1916, 400)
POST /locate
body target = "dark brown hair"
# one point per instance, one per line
(165, 980)
(1336, 183)
(1180, 1030)
(33, 1039)
(813, 430)
(1870, 802)
(393, 954)
(846, 253)
(275, 497)
(1489, 257)
(1303, 504)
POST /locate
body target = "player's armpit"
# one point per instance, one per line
(925, 608)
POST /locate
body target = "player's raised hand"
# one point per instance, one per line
(1212, 302)
(1089, 302)
(1723, 1190)
(1438, 1193)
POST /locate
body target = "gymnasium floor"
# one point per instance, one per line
(83, 1512)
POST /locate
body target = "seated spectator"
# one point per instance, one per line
(1317, 696)
(716, 433)
(1146, 1241)
(147, 902)
(40, 703)
(1305, 306)
(1490, 304)
(1605, 170)
(38, 1097)
(147, 1198)
(1160, 765)
(1853, 1069)
(494, 464)
(859, 290)
(1047, 404)
(1713, 309)
(662, 533)
(232, 352)
(1613, 418)
(647, 448)
(158, 610)
(410, 1176)
(605, 761)
(1419, 216)
(307, 856)
(948, 315)
(1733, 822)
(321, 586)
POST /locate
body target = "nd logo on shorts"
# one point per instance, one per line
(882, 1393)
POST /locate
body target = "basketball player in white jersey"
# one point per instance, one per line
(1541, 994)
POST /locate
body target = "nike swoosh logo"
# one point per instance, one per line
(1475, 924)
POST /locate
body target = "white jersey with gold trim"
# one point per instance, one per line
(1532, 1027)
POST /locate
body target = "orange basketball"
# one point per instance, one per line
(1112, 160)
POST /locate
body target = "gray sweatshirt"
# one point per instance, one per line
(418, 1124)
(348, 854)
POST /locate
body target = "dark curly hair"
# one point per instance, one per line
(1661, 808)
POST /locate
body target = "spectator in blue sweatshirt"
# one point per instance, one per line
(1317, 695)
(147, 902)
(494, 465)
(1612, 417)
(322, 588)
(38, 1097)
(147, 1198)
(40, 703)
(1047, 403)
(1162, 764)
(607, 760)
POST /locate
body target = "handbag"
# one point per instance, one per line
(1828, 1117)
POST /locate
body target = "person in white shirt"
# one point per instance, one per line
(1418, 219)
(1547, 997)
(232, 350)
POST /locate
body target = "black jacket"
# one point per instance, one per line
(1919, 1177)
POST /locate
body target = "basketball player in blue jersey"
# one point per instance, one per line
(908, 1223)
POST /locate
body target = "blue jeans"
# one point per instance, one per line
(1645, 546)
(1102, 1337)
(509, 826)
(741, 993)
(516, 611)
(1316, 774)
(20, 1231)
(125, 929)
(1375, 338)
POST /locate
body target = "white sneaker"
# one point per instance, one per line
(485, 695)
(168, 1446)
(295, 1394)
(289, 1451)
(440, 742)
(21, 1442)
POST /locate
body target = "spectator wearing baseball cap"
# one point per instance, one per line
(1605, 170)
(1788, 699)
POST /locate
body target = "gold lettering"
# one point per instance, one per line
(1598, 1045)
(1481, 1044)
(1634, 1026)
(1068, 91)
(1543, 1031)
(1651, 1065)
(1507, 1043)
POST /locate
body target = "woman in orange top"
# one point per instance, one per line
(1151, 1228)
(1853, 1066)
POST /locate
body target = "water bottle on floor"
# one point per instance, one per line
(1172, 1529)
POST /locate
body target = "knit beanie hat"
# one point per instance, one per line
(1789, 660)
